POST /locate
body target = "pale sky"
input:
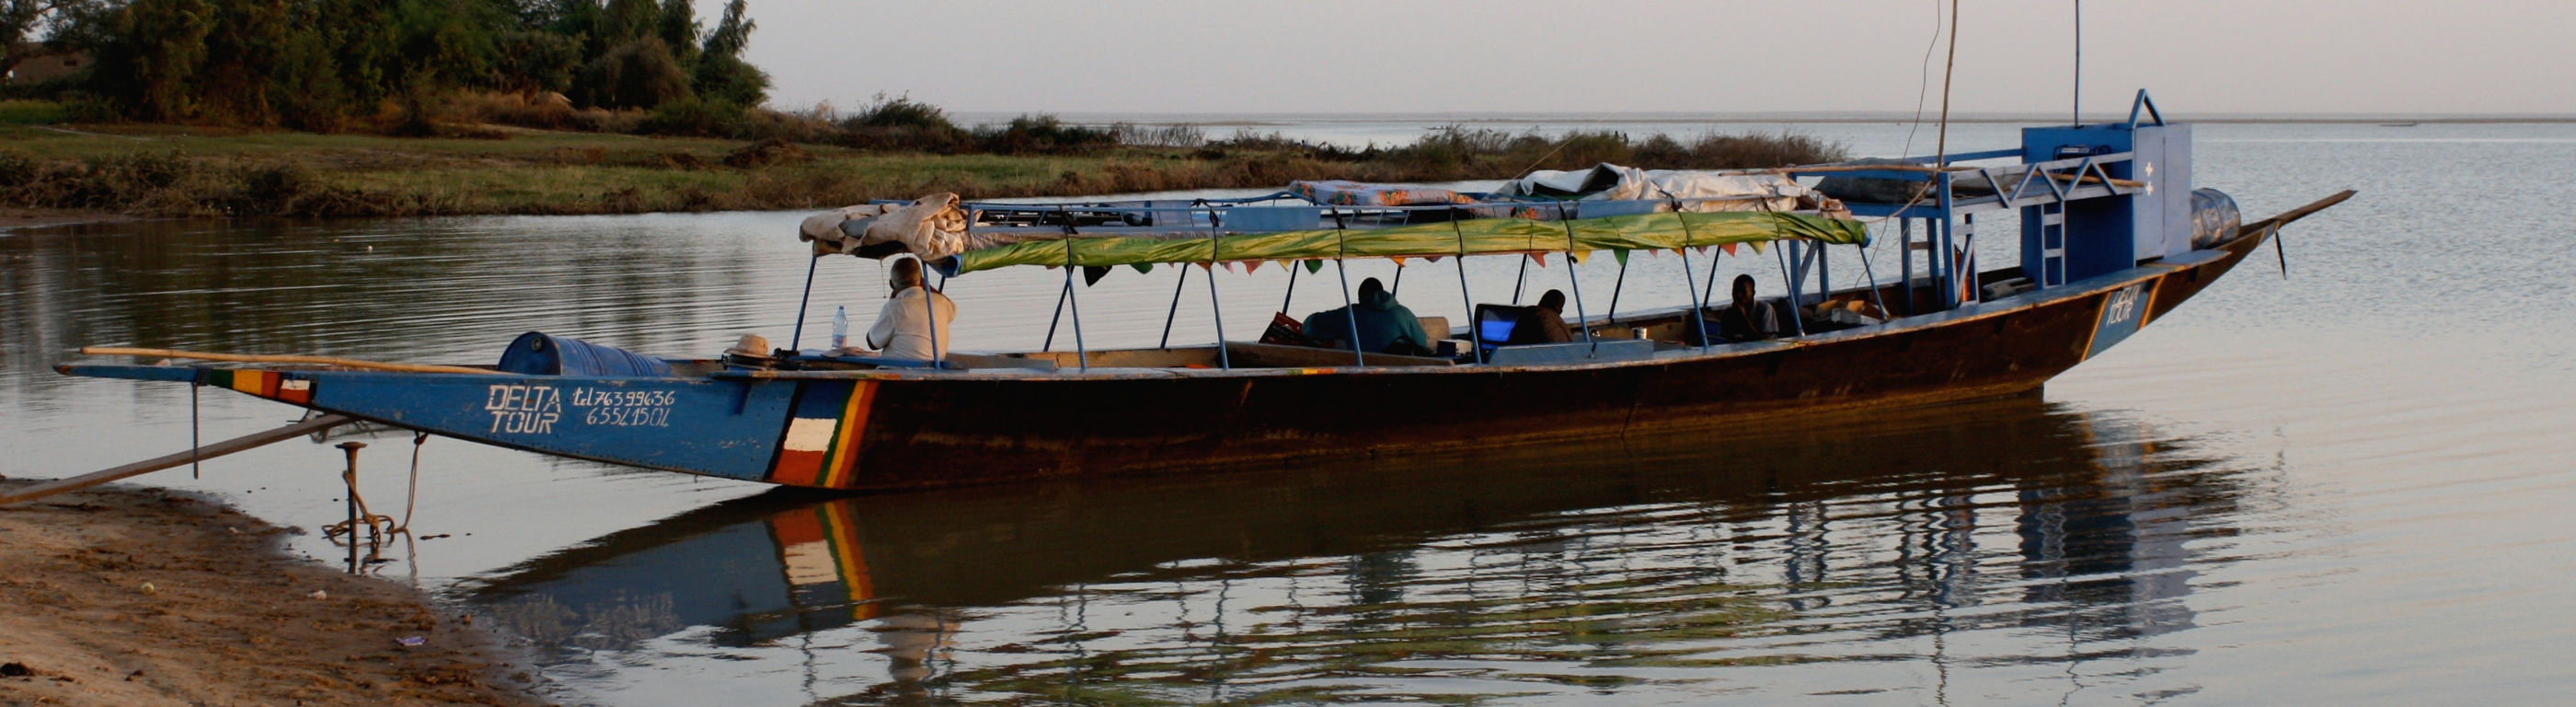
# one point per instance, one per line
(1400, 56)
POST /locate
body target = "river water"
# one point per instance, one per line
(2351, 485)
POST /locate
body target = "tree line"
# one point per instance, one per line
(325, 64)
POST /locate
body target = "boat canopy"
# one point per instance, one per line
(1299, 225)
(1483, 236)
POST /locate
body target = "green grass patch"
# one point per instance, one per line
(32, 112)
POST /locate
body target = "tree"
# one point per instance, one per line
(21, 20)
(721, 73)
(637, 74)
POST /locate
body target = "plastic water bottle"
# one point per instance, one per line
(840, 327)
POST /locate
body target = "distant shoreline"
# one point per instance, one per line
(1278, 120)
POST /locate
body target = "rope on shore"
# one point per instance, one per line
(380, 528)
(266, 358)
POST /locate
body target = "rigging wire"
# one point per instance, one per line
(1941, 144)
(1923, 79)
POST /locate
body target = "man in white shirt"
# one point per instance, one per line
(905, 327)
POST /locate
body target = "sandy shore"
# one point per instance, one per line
(127, 596)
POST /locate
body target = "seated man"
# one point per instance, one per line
(1543, 324)
(904, 327)
(1747, 319)
(1383, 324)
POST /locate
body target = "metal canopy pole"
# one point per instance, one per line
(1709, 288)
(1577, 283)
(1520, 280)
(1223, 361)
(795, 340)
(1616, 285)
(1350, 313)
(1699, 307)
(930, 308)
(1475, 341)
(1060, 296)
(1175, 311)
(1291, 296)
(1081, 352)
(1777, 254)
(1866, 269)
(1699, 321)
(1397, 289)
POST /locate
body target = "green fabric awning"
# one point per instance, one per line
(1655, 231)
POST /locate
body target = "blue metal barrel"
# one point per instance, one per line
(535, 353)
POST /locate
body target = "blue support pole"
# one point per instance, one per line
(1905, 260)
(1824, 273)
(1944, 270)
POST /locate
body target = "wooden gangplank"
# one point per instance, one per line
(236, 444)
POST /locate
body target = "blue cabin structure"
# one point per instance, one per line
(2093, 200)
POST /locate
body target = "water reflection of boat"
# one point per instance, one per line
(2113, 239)
(2099, 519)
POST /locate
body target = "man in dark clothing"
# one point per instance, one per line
(1382, 323)
(1543, 324)
(1748, 319)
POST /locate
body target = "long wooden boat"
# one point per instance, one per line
(2108, 247)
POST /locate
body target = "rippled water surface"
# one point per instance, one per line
(2348, 486)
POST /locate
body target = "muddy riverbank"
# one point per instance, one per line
(133, 596)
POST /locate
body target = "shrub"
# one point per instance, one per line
(270, 190)
(1180, 135)
(900, 112)
(696, 117)
(1043, 134)
(16, 169)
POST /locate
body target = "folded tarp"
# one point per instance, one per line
(1636, 231)
(932, 227)
(1707, 190)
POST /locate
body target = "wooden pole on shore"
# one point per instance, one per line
(236, 444)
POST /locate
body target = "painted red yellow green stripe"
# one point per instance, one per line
(819, 446)
(820, 545)
(273, 385)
